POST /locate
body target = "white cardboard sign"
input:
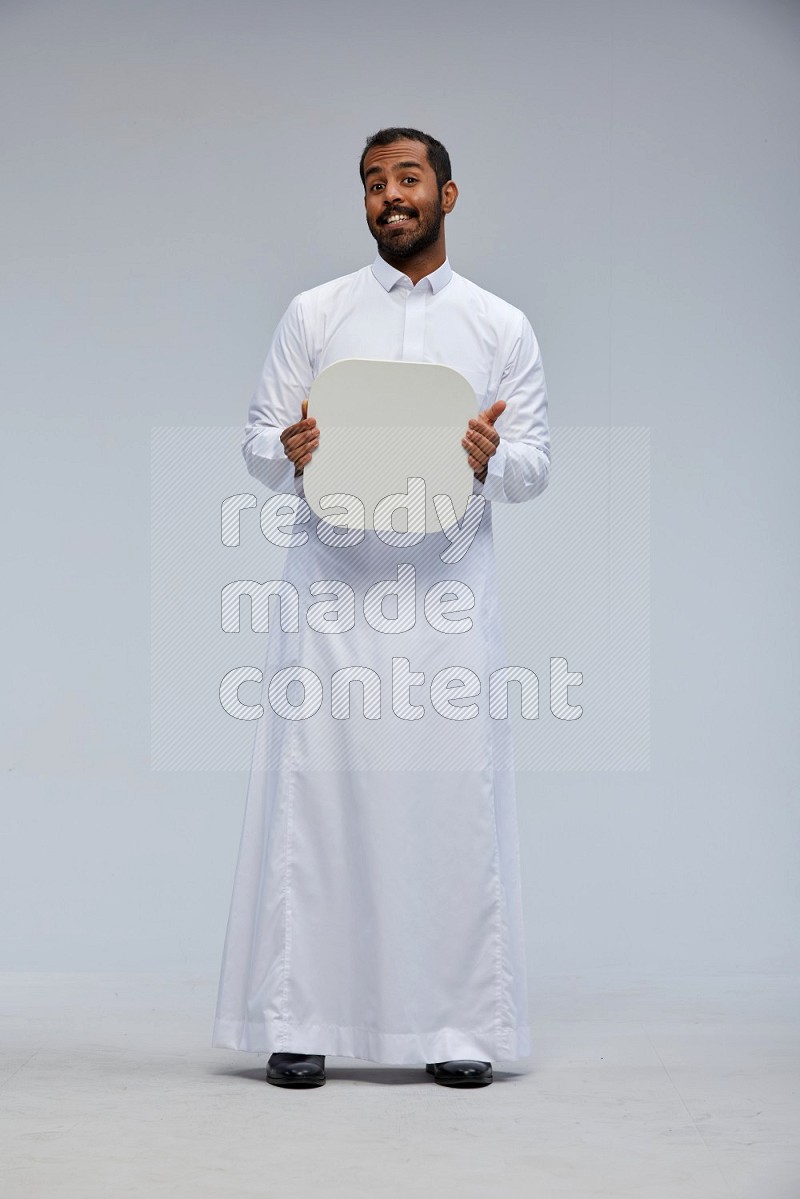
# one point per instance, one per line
(383, 423)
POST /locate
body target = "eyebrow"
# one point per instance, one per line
(398, 166)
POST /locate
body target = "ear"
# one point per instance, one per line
(449, 196)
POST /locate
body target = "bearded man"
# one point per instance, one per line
(377, 912)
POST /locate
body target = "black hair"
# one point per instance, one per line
(438, 157)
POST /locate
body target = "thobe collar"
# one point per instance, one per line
(388, 276)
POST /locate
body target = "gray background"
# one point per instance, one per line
(629, 177)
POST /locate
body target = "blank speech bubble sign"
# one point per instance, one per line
(382, 423)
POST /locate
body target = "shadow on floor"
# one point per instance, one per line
(391, 1076)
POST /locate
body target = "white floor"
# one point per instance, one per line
(687, 1089)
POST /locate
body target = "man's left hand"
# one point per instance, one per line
(481, 440)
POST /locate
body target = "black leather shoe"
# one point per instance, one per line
(296, 1069)
(461, 1073)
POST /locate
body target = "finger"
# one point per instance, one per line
(296, 447)
(485, 428)
(475, 456)
(478, 441)
(296, 433)
(494, 410)
(293, 430)
(304, 407)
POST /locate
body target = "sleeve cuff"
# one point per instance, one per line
(266, 460)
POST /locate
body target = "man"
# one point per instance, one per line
(376, 909)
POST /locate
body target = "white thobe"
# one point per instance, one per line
(377, 909)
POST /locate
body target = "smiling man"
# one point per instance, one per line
(406, 201)
(376, 908)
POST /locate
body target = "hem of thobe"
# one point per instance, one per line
(496, 1044)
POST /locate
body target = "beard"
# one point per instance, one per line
(405, 242)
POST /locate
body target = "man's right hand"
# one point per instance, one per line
(300, 440)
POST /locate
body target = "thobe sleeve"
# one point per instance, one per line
(520, 466)
(277, 402)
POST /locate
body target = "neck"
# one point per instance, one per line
(418, 265)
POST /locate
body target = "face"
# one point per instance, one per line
(403, 205)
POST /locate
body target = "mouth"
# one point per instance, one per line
(396, 220)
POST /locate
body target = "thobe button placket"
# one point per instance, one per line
(414, 325)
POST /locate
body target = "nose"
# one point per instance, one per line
(393, 194)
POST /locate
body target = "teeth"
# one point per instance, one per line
(392, 220)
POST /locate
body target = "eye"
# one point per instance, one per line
(375, 185)
(410, 178)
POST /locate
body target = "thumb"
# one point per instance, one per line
(491, 414)
(304, 408)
